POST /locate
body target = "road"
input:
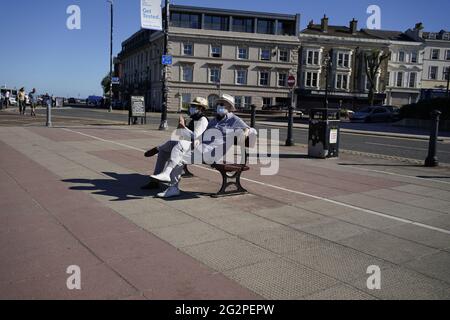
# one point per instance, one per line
(389, 146)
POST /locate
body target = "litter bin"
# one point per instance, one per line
(324, 133)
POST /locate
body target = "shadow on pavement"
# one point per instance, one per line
(381, 165)
(122, 186)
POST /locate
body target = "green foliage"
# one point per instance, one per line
(423, 109)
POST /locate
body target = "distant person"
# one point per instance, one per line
(21, 98)
(7, 95)
(33, 101)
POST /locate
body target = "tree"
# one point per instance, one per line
(374, 60)
(106, 84)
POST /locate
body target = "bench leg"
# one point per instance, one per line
(226, 183)
(186, 172)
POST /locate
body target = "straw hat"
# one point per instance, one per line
(200, 102)
(228, 102)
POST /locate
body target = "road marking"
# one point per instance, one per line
(384, 215)
(401, 147)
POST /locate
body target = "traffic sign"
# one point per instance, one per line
(115, 80)
(167, 60)
(291, 81)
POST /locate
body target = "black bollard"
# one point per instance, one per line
(253, 116)
(290, 139)
(432, 160)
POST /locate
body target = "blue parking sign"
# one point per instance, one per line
(167, 60)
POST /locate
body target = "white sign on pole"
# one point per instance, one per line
(151, 15)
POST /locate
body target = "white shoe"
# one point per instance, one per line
(171, 192)
(162, 177)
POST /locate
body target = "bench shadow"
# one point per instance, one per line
(123, 187)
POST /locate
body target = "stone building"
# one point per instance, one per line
(248, 55)
(344, 47)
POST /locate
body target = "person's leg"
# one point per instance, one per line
(177, 156)
(173, 189)
(163, 157)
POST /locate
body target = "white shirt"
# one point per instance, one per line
(199, 128)
(7, 94)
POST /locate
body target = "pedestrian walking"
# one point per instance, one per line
(33, 101)
(7, 95)
(22, 102)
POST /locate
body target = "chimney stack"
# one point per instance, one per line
(324, 24)
(419, 29)
(353, 26)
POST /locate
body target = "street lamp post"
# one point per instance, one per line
(111, 56)
(327, 65)
(164, 125)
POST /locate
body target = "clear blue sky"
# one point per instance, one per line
(37, 50)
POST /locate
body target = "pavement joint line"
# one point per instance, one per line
(399, 175)
(406, 221)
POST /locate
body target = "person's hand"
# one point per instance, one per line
(181, 123)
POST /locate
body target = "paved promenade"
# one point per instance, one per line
(71, 196)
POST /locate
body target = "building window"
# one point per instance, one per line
(446, 73)
(414, 57)
(267, 102)
(188, 49)
(286, 28)
(433, 73)
(185, 20)
(343, 60)
(342, 81)
(265, 26)
(412, 79)
(447, 55)
(188, 74)
(212, 100)
(401, 56)
(435, 53)
(247, 102)
(241, 77)
(242, 53)
(312, 57)
(216, 23)
(388, 83)
(264, 78)
(216, 51)
(266, 54)
(282, 80)
(283, 55)
(400, 79)
(185, 101)
(243, 25)
(311, 79)
(214, 75)
(238, 102)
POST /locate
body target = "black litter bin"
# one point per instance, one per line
(324, 133)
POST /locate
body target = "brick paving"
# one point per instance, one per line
(72, 197)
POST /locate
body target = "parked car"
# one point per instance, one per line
(72, 101)
(27, 100)
(94, 101)
(275, 108)
(372, 114)
(12, 101)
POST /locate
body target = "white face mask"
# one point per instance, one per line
(221, 110)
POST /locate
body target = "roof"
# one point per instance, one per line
(336, 31)
(389, 35)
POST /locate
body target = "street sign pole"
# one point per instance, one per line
(164, 125)
(290, 138)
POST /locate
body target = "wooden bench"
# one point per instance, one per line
(231, 176)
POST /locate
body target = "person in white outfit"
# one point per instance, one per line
(188, 136)
(224, 122)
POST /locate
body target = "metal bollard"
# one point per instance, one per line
(290, 139)
(49, 114)
(253, 117)
(432, 160)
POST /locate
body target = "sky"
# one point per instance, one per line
(38, 50)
